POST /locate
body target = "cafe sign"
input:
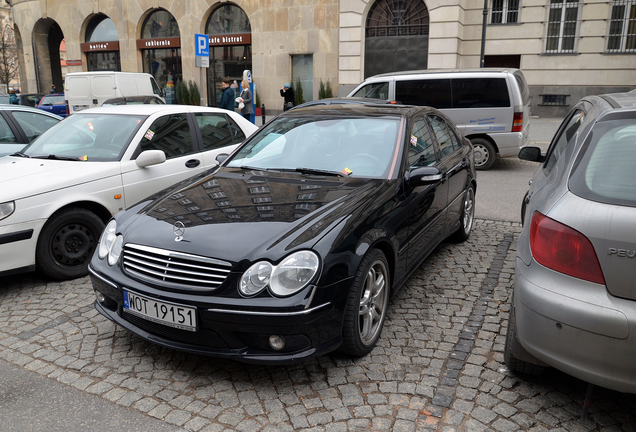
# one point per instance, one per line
(170, 42)
(232, 39)
(100, 46)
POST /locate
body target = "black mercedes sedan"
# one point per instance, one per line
(294, 244)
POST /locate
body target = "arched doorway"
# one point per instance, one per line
(102, 45)
(160, 46)
(47, 37)
(230, 35)
(396, 37)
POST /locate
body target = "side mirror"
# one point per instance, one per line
(220, 158)
(424, 176)
(532, 154)
(150, 157)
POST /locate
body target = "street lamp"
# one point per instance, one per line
(483, 34)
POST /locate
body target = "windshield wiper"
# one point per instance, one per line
(21, 155)
(56, 157)
(319, 172)
(247, 167)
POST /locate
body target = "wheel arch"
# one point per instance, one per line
(486, 137)
(384, 246)
(102, 212)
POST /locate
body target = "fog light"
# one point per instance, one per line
(277, 342)
(100, 297)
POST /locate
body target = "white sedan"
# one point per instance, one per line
(58, 192)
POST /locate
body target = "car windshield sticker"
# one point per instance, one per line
(414, 140)
(346, 171)
(149, 135)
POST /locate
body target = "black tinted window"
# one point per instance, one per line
(215, 130)
(430, 92)
(605, 171)
(480, 93)
(445, 137)
(171, 134)
(374, 91)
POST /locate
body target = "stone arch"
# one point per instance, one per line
(101, 43)
(47, 37)
(395, 36)
(20, 53)
(229, 29)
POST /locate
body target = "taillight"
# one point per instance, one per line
(563, 249)
(67, 111)
(517, 122)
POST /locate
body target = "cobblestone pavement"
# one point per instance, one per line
(438, 365)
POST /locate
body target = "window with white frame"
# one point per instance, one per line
(562, 26)
(622, 29)
(504, 12)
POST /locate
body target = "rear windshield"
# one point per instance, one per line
(605, 170)
(53, 100)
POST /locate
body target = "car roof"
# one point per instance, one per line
(445, 71)
(148, 109)
(356, 110)
(54, 94)
(28, 109)
(620, 100)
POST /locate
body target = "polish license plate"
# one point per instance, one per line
(170, 314)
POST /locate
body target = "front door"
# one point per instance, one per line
(173, 135)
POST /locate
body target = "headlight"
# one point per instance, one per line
(110, 243)
(115, 251)
(7, 209)
(107, 240)
(290, 276)
(256, 278)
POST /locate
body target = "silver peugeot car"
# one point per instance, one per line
(574, 299)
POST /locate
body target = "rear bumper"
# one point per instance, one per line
(509, 143)
(576, 326)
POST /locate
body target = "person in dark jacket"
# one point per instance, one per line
(227, 101)
(288, 93)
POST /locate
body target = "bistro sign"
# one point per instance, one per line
(171, 42)
(99, 46)
(234, 39)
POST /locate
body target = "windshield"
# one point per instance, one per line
(357, 147)
(86, 137)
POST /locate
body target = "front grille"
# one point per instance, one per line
(203, 337)
(174, 269)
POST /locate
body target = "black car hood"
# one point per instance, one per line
(237, 215)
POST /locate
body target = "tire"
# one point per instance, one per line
(485, 153)
(512, 345)
(467, 217)
(366, 306)
(67, 242)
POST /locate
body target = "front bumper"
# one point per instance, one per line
(576, 326)
(229, 329)
(17, 246)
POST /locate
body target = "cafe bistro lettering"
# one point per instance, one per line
(235, 39)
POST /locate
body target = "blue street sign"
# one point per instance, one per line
(201, 45)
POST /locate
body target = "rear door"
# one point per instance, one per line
(604, 177)
(454, 164)
(481, 105)
(218, 134)
(173, 135)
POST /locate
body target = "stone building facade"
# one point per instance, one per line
(566, 48)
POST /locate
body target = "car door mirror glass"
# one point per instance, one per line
(532, 154)
(150, 157)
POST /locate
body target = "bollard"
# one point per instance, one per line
(262, 114)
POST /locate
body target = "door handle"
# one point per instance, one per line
(192, 163)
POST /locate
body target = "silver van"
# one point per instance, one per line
(491, 107)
